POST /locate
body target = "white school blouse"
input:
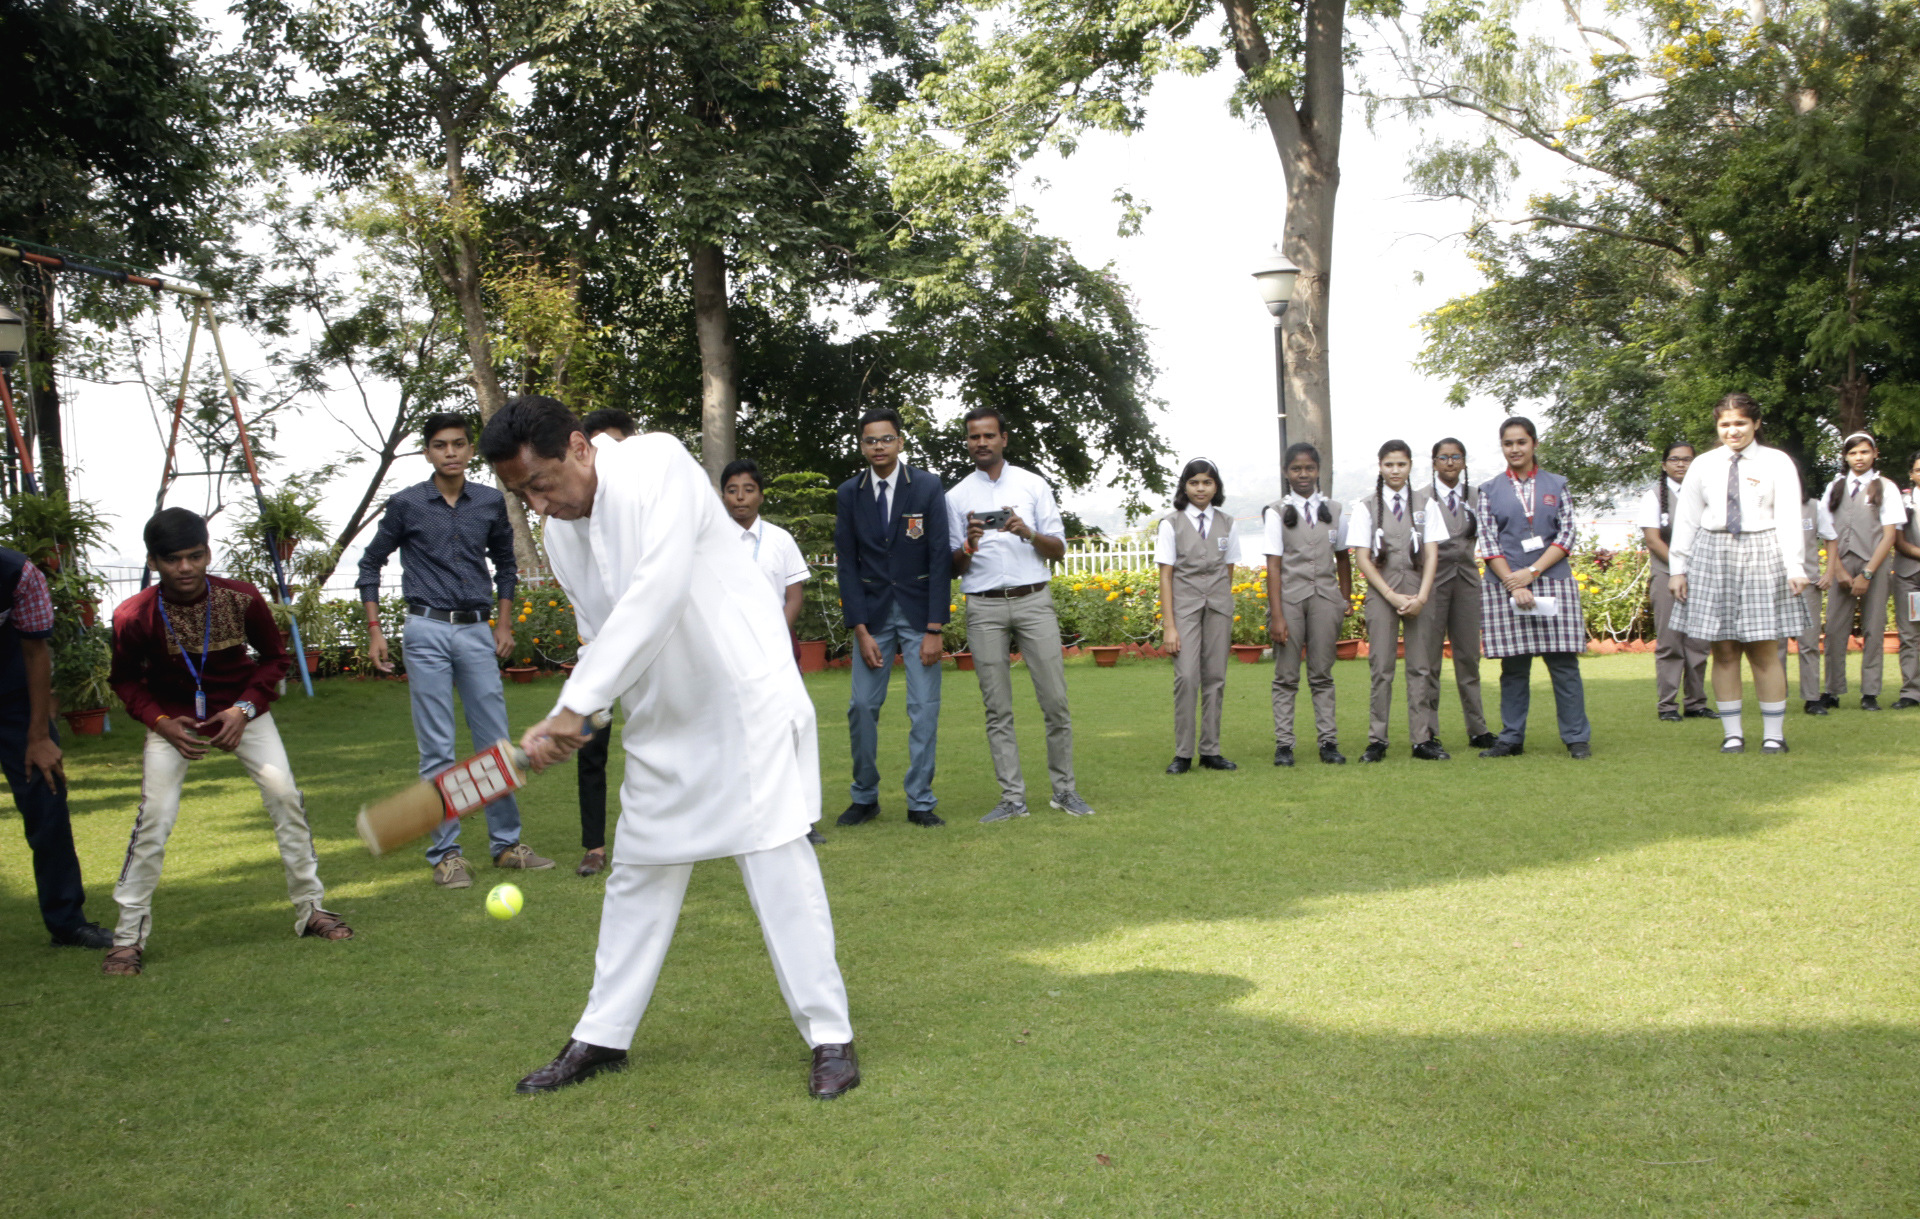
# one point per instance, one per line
(1165, 552)
(1273, 535)
(1432, 525)
(1648, 514)
(777, 556)
(1893, 509)
(1769, 499)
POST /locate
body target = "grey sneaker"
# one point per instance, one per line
(1070, 802)
(520, 855)
(1006, 810)
(451, 872)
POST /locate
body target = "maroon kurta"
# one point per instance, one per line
(152, 678)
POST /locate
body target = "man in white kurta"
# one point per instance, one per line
(721, 754)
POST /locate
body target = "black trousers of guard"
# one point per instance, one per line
(43, 809)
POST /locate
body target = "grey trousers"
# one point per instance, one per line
(1452, 614)
(1569, 697)
(1810, 647)
(1383, 639)
(1200, 675)
(1679, 661)
(996, 626)
(1313, 627)
(1909, 637)
(1873, 630)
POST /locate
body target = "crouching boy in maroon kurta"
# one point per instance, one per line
(181, 665)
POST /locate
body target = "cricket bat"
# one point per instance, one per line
(471, 783)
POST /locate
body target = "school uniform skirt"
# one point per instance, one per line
(1737, 589)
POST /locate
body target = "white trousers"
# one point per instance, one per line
(640, 911)
(162, 772)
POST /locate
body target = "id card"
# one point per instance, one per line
(1532, 544)
(200, 705)
(1542, 607)
(1913, 607)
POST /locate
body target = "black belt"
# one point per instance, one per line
(1018, 590)
(456, 617)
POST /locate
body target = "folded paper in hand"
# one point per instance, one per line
(1542, 607)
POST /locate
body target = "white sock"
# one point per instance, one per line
(1729, 719)
(1773, 718)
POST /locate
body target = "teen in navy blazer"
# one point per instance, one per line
(895, 579)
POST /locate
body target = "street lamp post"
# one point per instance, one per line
(1275, 277)
(13, 340)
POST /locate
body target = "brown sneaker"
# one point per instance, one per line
(520, 855)
(593, 862)
(453, 873)
(122, 962)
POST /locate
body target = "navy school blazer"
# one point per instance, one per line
(909, 562)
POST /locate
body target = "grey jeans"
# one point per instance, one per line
(1569, 697)
(442, 658)
(996, 626)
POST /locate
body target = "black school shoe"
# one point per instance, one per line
(1734, 744)
(86, 935)
(1502, 749)
(1283, 755)
(1331, 755)
(1579, 749)
(1816, 706)
(925, 817)
(1869, 703)
(1376, 752)
(1831, 700)
(1179, 766)
(1901, 704)
(1431, 751)
(1703, 713)
(1485, 740)
(1213, 761)
(1773, 747)
(1671, 717)
(859, 813)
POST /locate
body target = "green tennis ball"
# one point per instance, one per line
(505, 901)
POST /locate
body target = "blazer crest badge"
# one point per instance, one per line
(916, 525)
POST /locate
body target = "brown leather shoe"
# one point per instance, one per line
(836, 1071)
(328, 926)
(520, 855)
(578, 1062)
(121, 962)
(592, 863)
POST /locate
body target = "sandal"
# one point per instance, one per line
(328, 926)
(122, 962)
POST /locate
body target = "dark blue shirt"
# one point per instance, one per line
(444, 548)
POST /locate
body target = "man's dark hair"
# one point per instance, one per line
(440, 421)
(172, 530)
(608, 419)
(880, 414)
(742, 465)
(985, 412)
(534, 422)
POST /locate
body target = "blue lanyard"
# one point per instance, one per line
(199, 691)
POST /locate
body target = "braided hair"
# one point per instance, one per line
(1379, 488)
(1666, 509)
(1834, 496)
(1290, 517)
(1466, 483)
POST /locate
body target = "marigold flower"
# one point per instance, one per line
(552, 603)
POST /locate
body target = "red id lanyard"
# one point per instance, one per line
(1524, 492)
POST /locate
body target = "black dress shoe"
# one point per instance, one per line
(857, 813)
(816, 837)
(1213, 761)
(1901, 704)
(1484, 741)
(926, 817)
(1671, 717)
(1376, 751)
(835, 1072)
(1179, 766)
(1831, 700)
(86, 935)
(1430, 751)
(1283, 755)
(1703, 713)
(1502, 749)
(1869, 703)
(1579, 749)
(1331, 755)
(577, 1063)
(1816, 707)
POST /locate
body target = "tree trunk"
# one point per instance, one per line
(460, 269)
(1850, 406)
(52, 467)
(1306, 134)
(719, 360)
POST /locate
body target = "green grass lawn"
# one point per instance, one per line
(1663, 982)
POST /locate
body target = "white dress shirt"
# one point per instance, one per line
(1893, 509)
(891, 482)
(1432, 527)
(721, 744)
(777, 555)
(1273, 525)
(1458, 491)
(1004, 560)
(1648, 514)
(1769, 497)
(1165, 552)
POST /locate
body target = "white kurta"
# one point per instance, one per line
(722, 757)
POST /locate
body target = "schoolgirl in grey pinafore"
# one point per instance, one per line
(1202, 579)
(1452, 612)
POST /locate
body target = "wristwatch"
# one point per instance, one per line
(246, 708)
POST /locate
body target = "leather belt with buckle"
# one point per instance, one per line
(456, 617)
(1018, 590)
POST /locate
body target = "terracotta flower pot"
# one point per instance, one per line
(88, 610)
(313, 661)
(963, 661)
(522, 673)
(1892, 643)
(1248, 653)
(566, 670)
(1348, 649)
(86, 723)
(813, 655)
(1446, 649)
(1106, 657)
(286, 549)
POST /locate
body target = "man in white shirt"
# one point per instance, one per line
(720, 734)
(1011, 529)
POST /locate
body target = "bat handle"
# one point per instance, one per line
(601, 718)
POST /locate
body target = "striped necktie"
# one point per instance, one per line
(1733, 496)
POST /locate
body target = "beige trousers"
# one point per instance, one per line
(1313, 627)
(1453, 614)
(1810, 646)
(1873, 630)
(1200, 675)
(1909, 636)
(995, 627)
(1383, 643)
(1679, 661)
(162, 773)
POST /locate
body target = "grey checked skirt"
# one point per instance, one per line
(1506, 633)
(1737, 589)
